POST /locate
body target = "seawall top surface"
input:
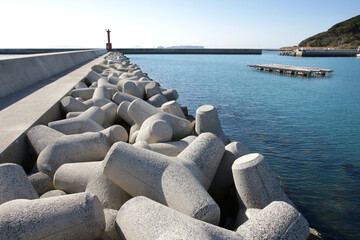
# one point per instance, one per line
(20, 115)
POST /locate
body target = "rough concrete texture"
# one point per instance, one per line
(207, 120)
(171, 149)
(223, 179)
(75, 216)
(17, 74)
(42, 98)
(88, 121)
(279, 220)
(80, 85)
(139, 111)
(205, 152)
(134, 131)
(110, 232)
(155, 131)
(171, 94)
(157, 100)
(14, 184)
(166, 180)
(115, 133)
(122, 112)
(120, 97)
(70, 104)
(180, 126)
(88, 177)
(256, 184)
(41, 182)
(40, 136)
(111, 116)
(73, 148)
(83, 93)
(141, 218)
(129, 87)
(92, 77)
(173, 108)
(53, 193)
(152, 89)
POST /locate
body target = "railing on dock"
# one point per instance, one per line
(292, 70)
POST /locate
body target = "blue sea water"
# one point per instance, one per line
(308, 129)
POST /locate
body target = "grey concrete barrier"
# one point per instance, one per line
(73, 148)
(278, 220)
(139, 219)
(223, 179)
(19, 73)
(75, 216)
(207, 120)
(14, 184)
(40, 136)
(41, 182)
(88, 177)
(173, 108)
(179, 183)
(171, 149)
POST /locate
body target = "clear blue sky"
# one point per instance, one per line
(153, 23)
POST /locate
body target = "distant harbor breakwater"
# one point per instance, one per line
(141, 50)
(321, 53)
(127, 157)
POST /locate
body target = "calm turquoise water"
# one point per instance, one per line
(308, 129)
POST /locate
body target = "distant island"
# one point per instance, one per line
(343, 35)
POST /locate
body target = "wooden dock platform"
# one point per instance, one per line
(292, 70)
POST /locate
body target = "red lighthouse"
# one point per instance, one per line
(108, 44)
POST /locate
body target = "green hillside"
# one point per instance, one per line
(344, 35)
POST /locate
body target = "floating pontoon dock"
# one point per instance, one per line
(291, 70)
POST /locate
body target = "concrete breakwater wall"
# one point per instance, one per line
(129, 162)
(38, 50)
(37, 83)
(19, 73)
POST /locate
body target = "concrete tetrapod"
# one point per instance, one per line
(139, 219)
(110, 232)
(41, 182)
(152, 89)
(157, 100)
(173, 108)
(119, 97)
(223, 180)
(88, 177)
(70, 104)
(14, 184)
(171, 94)
(122, 111)
(207, 120)
(83, 147)
(140, 111)
(83, 93)
(40, 136)
(88, 121)
(176, 182)
(110, 114)
(155, 131)
(75, 216)
(53, 193)
(278, 220)
(171, 149)
(256, 184)
(100, 98)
